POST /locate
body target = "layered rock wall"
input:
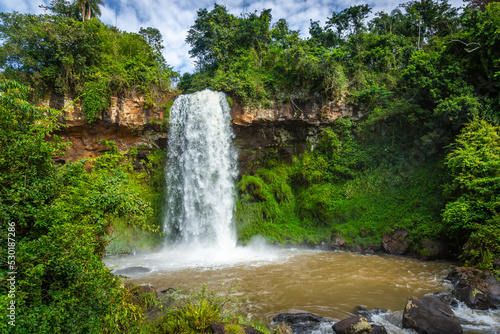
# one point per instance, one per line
(281, 130)
(129, 122)
(260, 132)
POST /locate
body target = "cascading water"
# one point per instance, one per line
(202, 168)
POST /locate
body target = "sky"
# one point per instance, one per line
(174, 17)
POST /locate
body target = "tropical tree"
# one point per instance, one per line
(385, 23)
(351, 19)
(472, 218)
(89, 8)
(63, 8)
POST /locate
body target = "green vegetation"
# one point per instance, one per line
(472, 216)
(61, 217)
(421, 75)
(59, 54)
(318, 197)
(194, 311)
(424, 157)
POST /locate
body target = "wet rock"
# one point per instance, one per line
(168, 291)
(478, 289)
(446, 298)
(375, 247)
(431, 249)
(361, 310)
(354, 325)
(338, 242)
(295, 318)
(396, 242)
(132, 271)
(368, 252)
(325, 246)
(220, 328)
(376, 329)
(356, 249)
(367, 313)
(428, 315)
(301, 323)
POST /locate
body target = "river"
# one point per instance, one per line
(271, 280)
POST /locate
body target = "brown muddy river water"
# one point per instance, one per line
(270, 281)
(323, 283)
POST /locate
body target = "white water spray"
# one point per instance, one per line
(202, 168)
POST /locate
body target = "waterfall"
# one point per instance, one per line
(201, 170)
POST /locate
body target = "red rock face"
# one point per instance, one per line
(281, 131)
(129, 122)
(308, 113)
(268, 132)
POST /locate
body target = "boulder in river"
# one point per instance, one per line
(396, 242)
(376, 329)
(338, 242)
(367, 313)
(428, 315)
(478, 289)
(353, 325)
(301, 323)
(130, 271)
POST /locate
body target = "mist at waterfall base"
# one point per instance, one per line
(200, 176)
(201, 247)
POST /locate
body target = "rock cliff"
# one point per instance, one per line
(277, 131)
(281, 130)
(129, 122)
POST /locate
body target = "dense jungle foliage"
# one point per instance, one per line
(58, 53)
(425, 157)
(59, 219)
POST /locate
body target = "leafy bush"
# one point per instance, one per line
(62, 216)
(87, 60)
(96, 98)
(194, 312)
(63, 285)
(474, 165)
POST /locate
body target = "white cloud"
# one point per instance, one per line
(174, 17)
(23, 6)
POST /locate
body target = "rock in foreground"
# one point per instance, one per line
(478, 289)
(300, 322)
(354, 325)
(428, 315)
